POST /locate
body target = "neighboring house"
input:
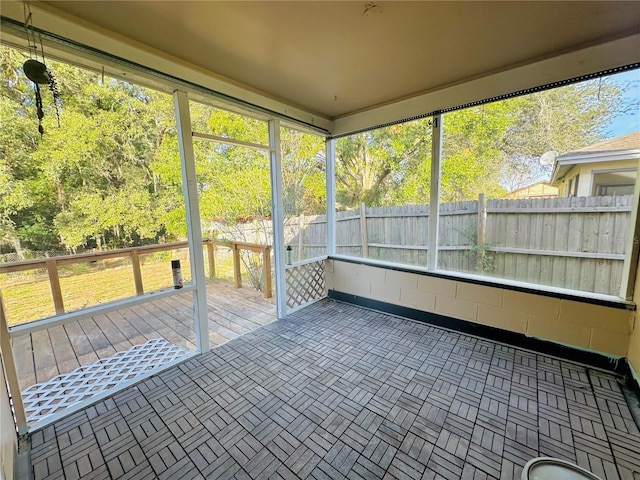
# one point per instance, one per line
(540, 189)
(605, 168)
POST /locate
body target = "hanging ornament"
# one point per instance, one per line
(36, 71)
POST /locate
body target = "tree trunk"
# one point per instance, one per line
(14, 241)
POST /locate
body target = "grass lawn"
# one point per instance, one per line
(27, 295)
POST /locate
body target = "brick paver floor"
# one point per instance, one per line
(336, 391)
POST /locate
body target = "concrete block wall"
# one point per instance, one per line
(599, 328)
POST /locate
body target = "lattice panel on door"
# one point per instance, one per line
(305, 283)
(44, 399)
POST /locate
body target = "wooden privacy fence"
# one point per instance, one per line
(571, 242)
(134, 253)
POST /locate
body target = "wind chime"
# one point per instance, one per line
(37, 71)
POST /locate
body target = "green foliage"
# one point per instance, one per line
(303, 173)
(110, 175)
(374, 167)
(253, 265)
(488, 149)
(89, 182)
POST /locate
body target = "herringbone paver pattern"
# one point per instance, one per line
(336, 391)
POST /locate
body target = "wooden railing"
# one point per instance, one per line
(134, 253)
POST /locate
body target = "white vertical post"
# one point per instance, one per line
(330, 172)
(277, 216)
(632, 251)
(194, 234)
(434, 194)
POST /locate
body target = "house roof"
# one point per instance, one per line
(538, 189)
(624, 147)
(629, 141)
(346, 65)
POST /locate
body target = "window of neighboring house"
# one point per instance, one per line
(618, 189)
(614, 182)
(572, 189)
(576, 180)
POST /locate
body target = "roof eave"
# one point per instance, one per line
(576, 158)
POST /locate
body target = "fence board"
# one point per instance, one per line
(570, 242)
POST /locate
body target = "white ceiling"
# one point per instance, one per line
(330, 58)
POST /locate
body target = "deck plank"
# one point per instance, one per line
(81, 347)
(23, 358)
(120, 340)
(231, 312)
(133, 334)
(98, 340)
(167, 325)
(66, 360)
(44, 360)
(111, 332)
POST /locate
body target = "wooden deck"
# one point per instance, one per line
(42, 355)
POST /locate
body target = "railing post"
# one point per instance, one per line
(137, 273)
(54, 282)
(481, 232)
(237, 276)
(212, 260)
(363, 230)
(266, 269)
(12, 375)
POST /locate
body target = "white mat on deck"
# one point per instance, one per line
(44, 399)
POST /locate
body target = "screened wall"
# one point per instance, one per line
(502, 213)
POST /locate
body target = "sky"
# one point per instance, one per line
(628, 122)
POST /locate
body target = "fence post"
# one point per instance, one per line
(363, 230)
(237, 276)
(481, 232)
(211, 259)
(266, 269)
(54, 281)
(300, 238)
(137, 273)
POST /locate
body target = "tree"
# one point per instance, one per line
(110, 176)
(487, 149)
(303, 173)
(371, 165)
(89, 181)
(561, 119)
(20, 189)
